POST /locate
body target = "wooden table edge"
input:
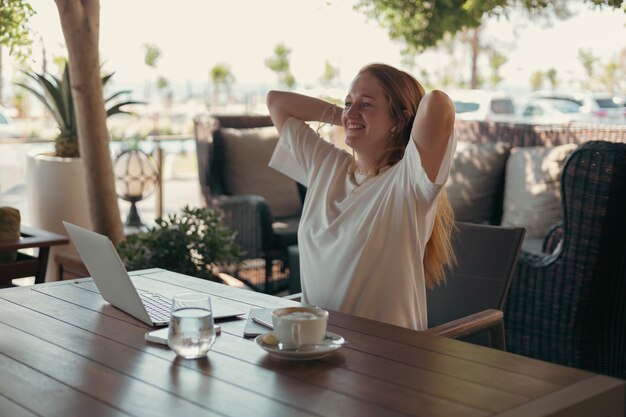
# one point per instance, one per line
(602, 395)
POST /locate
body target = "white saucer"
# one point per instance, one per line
(332, 342)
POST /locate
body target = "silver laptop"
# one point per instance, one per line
(110, 276)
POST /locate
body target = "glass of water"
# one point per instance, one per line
(192, 332)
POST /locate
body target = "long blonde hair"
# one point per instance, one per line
(404, 94)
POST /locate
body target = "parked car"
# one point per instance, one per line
(7, 128)
(602, 107)
(551, 111)
(483, 105)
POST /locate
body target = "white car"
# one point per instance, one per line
(605, 108)
(483, 105)
(552, 111)
(7, 128)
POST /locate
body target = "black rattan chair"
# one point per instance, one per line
(569, 306)
(478, 282)
(263, 236)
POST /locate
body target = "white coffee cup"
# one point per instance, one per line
(298, 326)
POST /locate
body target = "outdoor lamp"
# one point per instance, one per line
(135, 179)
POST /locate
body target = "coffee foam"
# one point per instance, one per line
(300, 315)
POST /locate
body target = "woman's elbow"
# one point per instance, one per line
(437, 102)
(270, 98)
(274, 105)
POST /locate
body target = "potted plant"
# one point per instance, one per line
(55, 181)
(193, 242)
(56, 95)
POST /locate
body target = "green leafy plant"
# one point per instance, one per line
(56, 95)
(193, 242)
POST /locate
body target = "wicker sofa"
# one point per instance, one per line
(566, 303)
(509, 174)
(261, 205)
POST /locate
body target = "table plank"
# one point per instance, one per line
(34, 391)
(111, 364)
(445, 364)
(500, 388)
(267, 381)
(340, 321)
(475, 394)
(498, 359)
(11, 408)
(434, 383)
(383, 371)
(97, 380)
(596, 396)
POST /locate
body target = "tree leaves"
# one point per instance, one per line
(14, 30)
(421, 24)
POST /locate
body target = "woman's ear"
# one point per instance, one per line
(404, 120)
(407, 115)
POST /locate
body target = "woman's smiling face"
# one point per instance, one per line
(366, 117)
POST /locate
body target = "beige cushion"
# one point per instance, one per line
(533, 244)
(475, 179)
(246, 155)
(532, 192)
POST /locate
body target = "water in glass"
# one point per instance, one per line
(192, 332)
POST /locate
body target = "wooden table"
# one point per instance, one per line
(66, 352)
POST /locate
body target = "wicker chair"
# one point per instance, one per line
(260, 234)
(569, 306)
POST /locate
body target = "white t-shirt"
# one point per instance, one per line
(362, 247)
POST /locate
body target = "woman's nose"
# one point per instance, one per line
(351, 111)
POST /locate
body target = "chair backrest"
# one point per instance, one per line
(569, 307)
(210, 146)
(485, 260)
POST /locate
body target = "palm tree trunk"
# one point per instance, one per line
(80, 21)
(475, 51)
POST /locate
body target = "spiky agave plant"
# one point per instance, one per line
(56, 95)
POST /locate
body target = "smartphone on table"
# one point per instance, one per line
(160, 336)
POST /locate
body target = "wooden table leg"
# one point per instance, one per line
(40, 276)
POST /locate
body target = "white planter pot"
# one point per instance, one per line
(56, 191)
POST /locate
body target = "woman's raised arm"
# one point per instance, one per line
(283, 105)
(432, 128)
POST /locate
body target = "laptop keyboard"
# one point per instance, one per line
(159, 308)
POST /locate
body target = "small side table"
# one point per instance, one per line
(27, 265)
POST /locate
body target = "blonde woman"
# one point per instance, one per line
(376, 224)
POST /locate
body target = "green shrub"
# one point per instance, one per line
(193, 242)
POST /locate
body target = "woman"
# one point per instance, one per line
(375, 227)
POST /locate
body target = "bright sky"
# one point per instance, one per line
(194, 35)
